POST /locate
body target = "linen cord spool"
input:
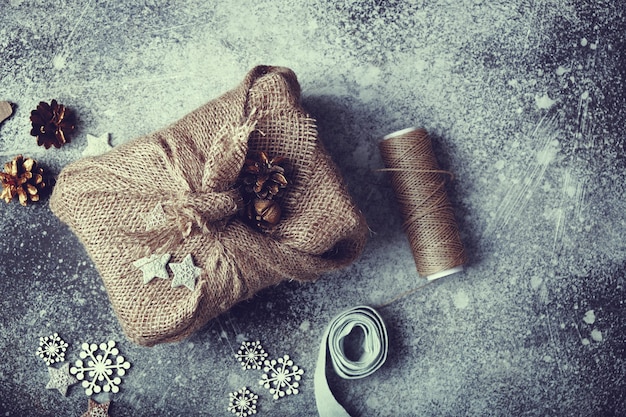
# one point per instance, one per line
(419, 185)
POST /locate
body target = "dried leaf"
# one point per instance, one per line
(6, 110)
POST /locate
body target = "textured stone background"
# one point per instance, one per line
(525, 102)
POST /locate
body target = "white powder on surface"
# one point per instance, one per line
(596, 335)
(544, 101)
(461, 300)
(305, 326)
(590, 317)
(523, 113)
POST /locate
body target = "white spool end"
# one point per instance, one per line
(401, 132)
(444, 273)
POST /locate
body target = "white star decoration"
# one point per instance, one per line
(155, 217)
(153, 266)
(185, 273)
(60, 379)
(97, 145)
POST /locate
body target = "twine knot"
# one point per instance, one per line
(203, 208)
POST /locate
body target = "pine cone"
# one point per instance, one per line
(51, 123)
(22, 177)
(263, 213)
(262, 177)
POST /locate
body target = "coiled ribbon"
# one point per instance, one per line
(375, 346)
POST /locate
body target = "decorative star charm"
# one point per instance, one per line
(155, 217)
(97, 145)
(97, 410)
(153, 266)
(60, 379)
(185, 273)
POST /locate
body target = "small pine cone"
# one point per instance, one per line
(51, 124)
(264, 214)
(24, 178)
(262, 177)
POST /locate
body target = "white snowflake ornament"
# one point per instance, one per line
(60, 379)
(251, 355)
(242, 403)
(102, 362)
(52, 349)
(281, 377)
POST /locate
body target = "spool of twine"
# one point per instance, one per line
(419, 185)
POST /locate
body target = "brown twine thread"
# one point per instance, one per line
(419, 185)
(402, 295)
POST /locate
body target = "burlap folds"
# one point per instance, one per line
(190, 168)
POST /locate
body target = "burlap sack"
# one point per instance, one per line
(190, 168)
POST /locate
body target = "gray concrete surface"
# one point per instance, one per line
(525, 101)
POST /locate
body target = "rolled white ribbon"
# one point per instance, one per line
(375, 345)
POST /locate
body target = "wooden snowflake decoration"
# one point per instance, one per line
(99, 365)
(281, 377)
(242, 403)
(52, 349)
(251, 355)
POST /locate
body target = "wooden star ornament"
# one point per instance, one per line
(97, 145)
(6, 110)
(60, 379)
(155, 217)
(185, 273)
(153, 266)
(97, 410)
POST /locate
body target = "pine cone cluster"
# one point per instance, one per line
(261, 180)
(24, 178)
(263, 177)
(51, 124)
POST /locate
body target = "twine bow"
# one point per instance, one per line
(208, 206)
(200, 209)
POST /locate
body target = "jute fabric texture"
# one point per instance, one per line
(190, 169)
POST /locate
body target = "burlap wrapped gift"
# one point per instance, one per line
(190, 168)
